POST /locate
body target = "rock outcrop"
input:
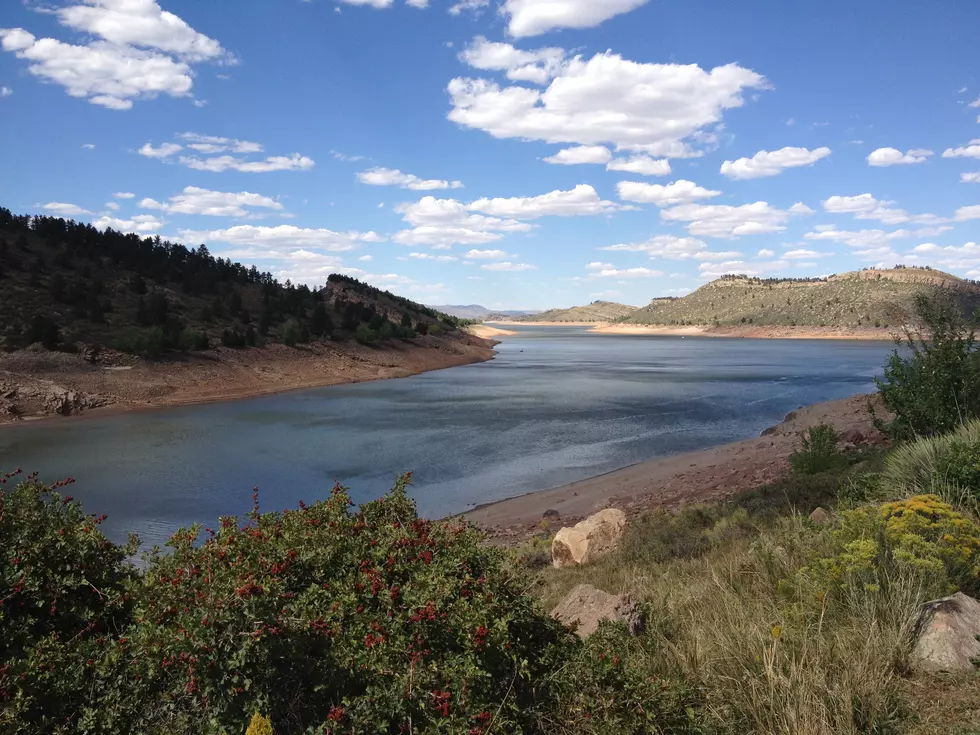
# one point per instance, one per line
(586, 607)
(820, 516)
(946, 635)
(588, 540)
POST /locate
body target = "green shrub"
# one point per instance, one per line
(818, 451)
(365, 335)
(322, 619)
(191, 340)
(922, 536)
(291, 333)
(936, 387)
(143, 341)
(946, 465)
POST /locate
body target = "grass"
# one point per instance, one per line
(730, 610)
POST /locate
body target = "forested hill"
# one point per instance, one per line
(868, 298)
(67, 285)
(597, 311)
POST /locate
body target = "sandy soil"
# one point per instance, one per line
(488, 332)
(37, 384)
(552, 324)
(705, 476)
(751, 332)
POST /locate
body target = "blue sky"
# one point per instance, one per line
(514, 153)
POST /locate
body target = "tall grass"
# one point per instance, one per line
(768, 657)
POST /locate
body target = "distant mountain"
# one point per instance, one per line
(861, 299)
(475, 311)
(597, 311)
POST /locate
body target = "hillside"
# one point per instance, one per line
(862, 299)
(67, 285)
(597, 311)
(91, 319)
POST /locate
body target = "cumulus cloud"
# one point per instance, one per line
(607, 271)
(63, 209)
(112, 205)
(643, 165)
(726, 221)
(967, 151)
(135, 50)
(970, 178)
(468, 6)
(581, 154)
(582, 200)
(967, 213)
(765, 253)
(141, 224)
(507, 266)
(284, 236)
(209, 145)
(676, 192)
(537, 67)
(436, 258)
(711, 271)
(393, 177)
(486, 255)
(802, 254)
(657, 109)
(865, 206)
(6, 91)
(772, 163)
(671, 247)
(865, 239)
(534, 17)
(194, 200)
(124, 195)
(893, 156)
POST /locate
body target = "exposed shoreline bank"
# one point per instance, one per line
(750, 332)
(39, 385)
(708, 475)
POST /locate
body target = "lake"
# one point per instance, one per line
(558, 404)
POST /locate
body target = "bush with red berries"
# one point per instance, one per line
(325, 619)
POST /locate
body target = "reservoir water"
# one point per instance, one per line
(557, 405)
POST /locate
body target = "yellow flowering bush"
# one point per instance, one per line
(923, 535)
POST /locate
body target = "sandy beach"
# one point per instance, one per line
(705, 476)
(36, 384)
(487, 332)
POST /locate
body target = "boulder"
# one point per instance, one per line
(552, 516)
(820, 517)
(946, 635)
(586, 606)
(588, 540)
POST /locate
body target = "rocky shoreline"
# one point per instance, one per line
(38, 384)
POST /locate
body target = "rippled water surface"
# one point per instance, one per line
(557, 405)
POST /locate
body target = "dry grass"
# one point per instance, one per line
(724, 617)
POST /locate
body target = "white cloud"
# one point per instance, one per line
(393, 177)
(538, 66)
(62, 209)
(124, 195)
(164, 151)
(208, 144)
(420, 4)
(373, 3)
(710, 271)
(534, 17)
(507, 266)
(195, 200)
(801, 254)
(970, 178)
(581, 154)
(865, 206)
(112, 205)
(366, 258)
(468, 5)
(967, 213)
(138, 51)
(141, 224)
(6, 91)
(772, 163)
(211, 144)
(722, 220)
(582, 200)
(676, 192)
(218, 164)
(893, 156)
(610, 272)
(486, 255)
(88, 146)
(968, 151)
(765, 252)
(671, 247)
(598, 266)
(288, 236)
(867, 240)
(437, 258)
(651, 108)
(643, 165)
